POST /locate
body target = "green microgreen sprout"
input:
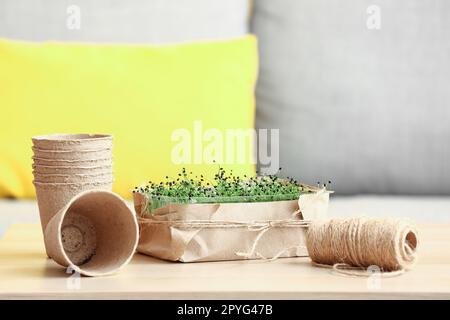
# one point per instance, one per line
(224, 188)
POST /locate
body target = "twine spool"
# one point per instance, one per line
(355, 244)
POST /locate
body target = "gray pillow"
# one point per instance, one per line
(366, 108)
(131, 21)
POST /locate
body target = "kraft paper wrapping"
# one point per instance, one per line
(228, 231)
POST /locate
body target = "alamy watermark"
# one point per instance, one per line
(373, 277)
(199, 145)
(73, 21)
(373, 21)
(73, 282)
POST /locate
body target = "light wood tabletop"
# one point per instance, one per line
(26, 272)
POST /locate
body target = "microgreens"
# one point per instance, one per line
(225, 188)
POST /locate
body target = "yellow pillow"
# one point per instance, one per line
(140, 94)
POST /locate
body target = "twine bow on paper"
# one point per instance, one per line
(262, 229)
(258, 226)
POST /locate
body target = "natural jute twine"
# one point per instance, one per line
(351, 246)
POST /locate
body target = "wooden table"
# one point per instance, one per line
(25, 272)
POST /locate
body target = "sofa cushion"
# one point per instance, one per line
(366, 108)
(153, 99)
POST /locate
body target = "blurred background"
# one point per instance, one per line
(358, 89)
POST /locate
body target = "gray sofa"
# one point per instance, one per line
(360, 94)
(365, 107)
